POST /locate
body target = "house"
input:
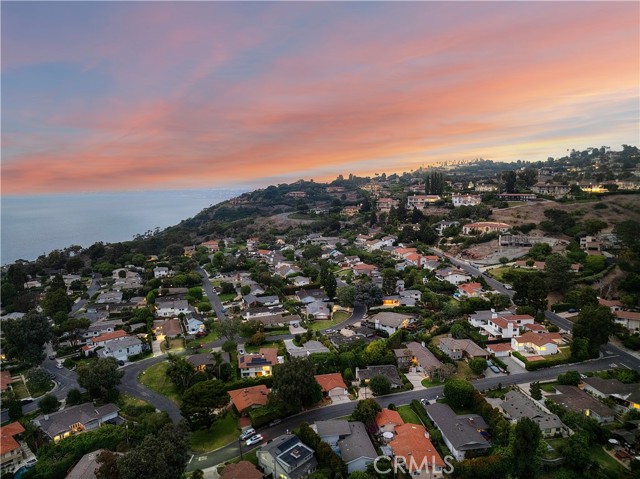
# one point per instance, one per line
(454, 276)
(387, 421)
(169, 328)
(241, 470)
(461, 434)
(121, 349)
(103, 338)
(470, 290)
(499, 350)
(308, 348)
(486, 187)
(318, 310)
(628, 319)
(458, 348)
(390, 322)
(11, 449)
(75, 420)
(332, 430)
(171, 307)
(542, 344)
(203, 361)
(517, 197)
(362, 269)
(287, 457)
(412, 446)
(507, 326)
(421, 201)
(258, 365)
(516, 405)
(443, 225)
(248, 398)
(250, 300)
(194, 326)
(5, 380)
(551, 189)
(260, 311)
(465, 200)
(356, 449)
(625, 396)
(296, 194)
(100, 327)
(417, 357)
(332, 384)
(161, 272)
(109, 297)
(613, 305)
(387, 370)
(484, 227)
(575, 399)
(301, 280)
(86, 467)
(385, 204)
(279, 320)
(212, 246)
(286, 269)
(350, 210)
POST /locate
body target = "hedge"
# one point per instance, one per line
(264, 415)
(248, 382)
(546, 363)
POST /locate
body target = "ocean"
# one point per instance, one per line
(35, 225)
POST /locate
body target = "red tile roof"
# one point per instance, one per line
(247, 397)
(387, 416)
(241, 470)
(7, 442)
(627, 315)
(270, 354)
(5, 380)
(539, 339)
(411, 442)
(107, 336)
(470, 288)
(330, 381)
(498, 347)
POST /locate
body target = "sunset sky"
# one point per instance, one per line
(105, 96)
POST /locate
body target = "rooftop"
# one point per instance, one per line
(248, 397)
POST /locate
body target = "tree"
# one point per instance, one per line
(294, 384)
(74, 397)
(38, 379)
(389, 281)
(56, 300)
(14, 406)
(159, 456)
(328, 281)
(257, 338)
(368, 294)
(595, 324)
(537, 292)
(458, 392)
(197, 474)
(478, 365)
(580, 349)
(229, 328)
(558, 270)
(575, 451)
(244, 290)
(571, 378)
(582, 296)
(366, 411)
(100, 378)
(180, 371)
(73, 327)
(380, 385)
(525, 445)
(48, 404)
(346, 296)
(509, 181)
(594, 226)
(535, 390)
(539, 251)
(108, 465)
(201, 401)
(26, 336)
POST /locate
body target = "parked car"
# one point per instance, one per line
(247, 434)
(120, 362)
(52, 376)
(26, 401)
(275, 422)
(59, 366)
(31, 462)
(52, 356)
(254, 440)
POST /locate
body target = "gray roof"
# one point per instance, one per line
(357, 444)
(387, 370)
(58, 422)
(125, 342)
(516, 405)
(576, 400)
(172, 303)
(466, 345)
(606, 386)
(460, 431)
(292, 453)
(425, 358)
(316, 307)
(332, 427)
(393, 320)
(206, 359)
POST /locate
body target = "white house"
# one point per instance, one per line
(465, 200)
(171, 307)
(161, 272)
(542, 344)
(421, 201)
(391, 322)
(485, 227)
(121, 349)
(453, 275)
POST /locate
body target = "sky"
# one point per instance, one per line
(109, 96)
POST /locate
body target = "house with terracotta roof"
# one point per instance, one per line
(10, 447)
(628, 319)
(5, 380)
(103, 338)
(212, 246)
(258, 365)
(332, 385)
(484, 227)
(470, 290)
(412, 446)
(241, 470)
(542, 344)
(248, 398)
(500, 350)
(613, 304)
(387, 420)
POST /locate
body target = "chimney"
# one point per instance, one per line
(46, 417)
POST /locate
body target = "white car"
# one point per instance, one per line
(247, 434)
(254, 440)
(59, 366)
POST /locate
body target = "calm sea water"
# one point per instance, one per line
(35, 225)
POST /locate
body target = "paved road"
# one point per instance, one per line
(232, 451)
(216, 304)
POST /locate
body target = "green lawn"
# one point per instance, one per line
(250, 348)
(408, 415)
(549, 387)
(36, 393)
(20, 390)
(156, 379)
(337, 318)
(227, 297)
(612, 467)
(223, 432)
(464, 371)
(428, 383)
(176, 344)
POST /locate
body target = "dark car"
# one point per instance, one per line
(52, 376)
(275, 422)
(120, 362)
(26, 401)
(52, 356)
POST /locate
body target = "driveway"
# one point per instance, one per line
(416, 379)
(514, 367)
